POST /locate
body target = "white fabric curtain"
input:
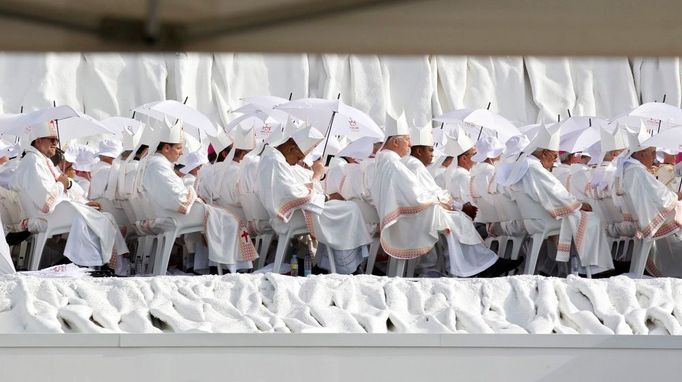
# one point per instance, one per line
(523, 89)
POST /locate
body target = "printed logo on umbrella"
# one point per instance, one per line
(352, 124)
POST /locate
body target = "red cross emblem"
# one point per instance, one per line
(352, 124)
(266, 128)
(245, 236)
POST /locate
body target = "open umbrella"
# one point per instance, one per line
(580, 140)
(121, 125)
(71, 123)
(668, 139)
(333, 117)
(480, 122)
(265, 104)
(171, 110)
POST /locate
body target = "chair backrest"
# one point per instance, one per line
(253, 208)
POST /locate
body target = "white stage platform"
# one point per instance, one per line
(338, 357)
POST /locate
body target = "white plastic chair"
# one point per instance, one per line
(530, 210)
(372, 258)
(508, 211)
(58, 222)
(192, 222)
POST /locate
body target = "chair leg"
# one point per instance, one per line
(411, 265)
(39, 241)
(532, 259)
(399, 267)
(163, 256)
(265, 240)
(282, 245)
(372, 258)
(639, 256)
(517, 242)
(220, 269)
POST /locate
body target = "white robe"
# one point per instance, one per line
(457, 183)
(412, 217)
(576, 181)
(656, 213)
(228, 240)
(39, 193)
(99, 178)
(481, 193)
(583, 227)
(599, 193)
(284, 189)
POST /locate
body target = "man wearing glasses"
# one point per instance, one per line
(94, 239)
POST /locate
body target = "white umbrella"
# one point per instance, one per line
(265, 104)
(480, 122)
(121, 125)
(171, 109)
(580, 140)
(333, 117)
(668, 139)
(658, 113)
(579, 123)
(71, 124)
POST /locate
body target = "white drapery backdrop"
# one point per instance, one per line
(522, 89)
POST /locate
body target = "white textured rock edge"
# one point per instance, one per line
(340, 304)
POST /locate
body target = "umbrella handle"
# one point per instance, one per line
(329, 132)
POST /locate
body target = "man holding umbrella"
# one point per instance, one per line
(94, 239)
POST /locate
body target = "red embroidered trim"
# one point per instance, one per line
(409, 253)
(666, 229)
(49, 202)
(471, 188)
(559, 212)
(187, 203)
(656, 222)
(295, 203)
(308, 216)
(409, 210)
(568, 182)
(580, 235)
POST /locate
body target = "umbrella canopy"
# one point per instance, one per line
(659, 112)
(480, 122)
(580, 140)
(579, 123)
(359, 149)
(197, 122)
(348, 121)
(265, 104)
(71, 123)
(669, 139)
(121, 125)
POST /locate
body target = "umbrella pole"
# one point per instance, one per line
(479, 134)
(291, 94)
(56, 123)
(329, 130)
(659, 125)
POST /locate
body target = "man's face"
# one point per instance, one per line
(465, 160)
(47, 146)
(292, 153)
(401, 145)
(646, 156)
(423, 153)
(548, 158)
(172, 152)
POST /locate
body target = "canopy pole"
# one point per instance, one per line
(659, 125)
(329, 129)
(569, 112)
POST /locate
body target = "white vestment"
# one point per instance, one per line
(284, 189)
(480, 182)
(228, 240)
(599, 194)
(656, 213)
(457, 183)
(576, 181)
(99, 178)
(39, 193)
(412, 218)
(581, 226)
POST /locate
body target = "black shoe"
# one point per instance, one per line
(500, 267)
(14, 238)
(212, 270)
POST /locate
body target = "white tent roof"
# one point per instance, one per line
(476, 27)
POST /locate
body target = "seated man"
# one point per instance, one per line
(226, 173)
(169, 197)
(531, 176)
(94, 238)
(655, 210)
(457, 177)
(284, 189)
(109, 149)
(489, 150)
(413, 215)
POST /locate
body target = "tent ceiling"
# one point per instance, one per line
(486, 27)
